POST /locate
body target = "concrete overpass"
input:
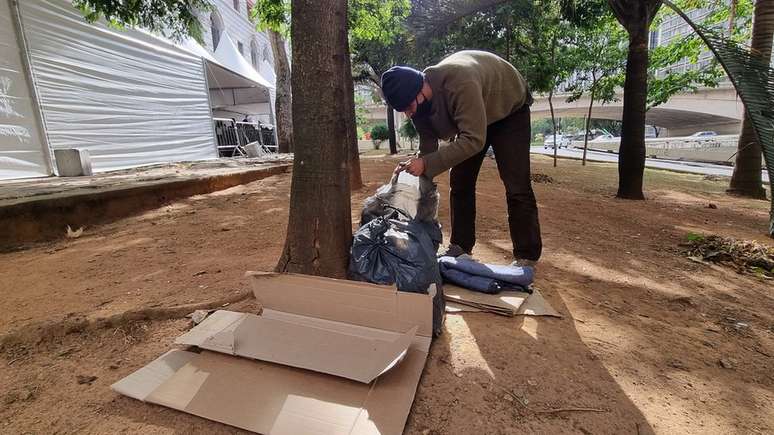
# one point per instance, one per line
(717, 109)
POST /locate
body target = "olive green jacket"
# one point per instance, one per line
(471, 90)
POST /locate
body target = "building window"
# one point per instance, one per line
(653, 39)
(254, 54)
(266, 56)
(216, 28)
(241, 48)
(236, 4)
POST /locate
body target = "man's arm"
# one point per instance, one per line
(469, 113)
(428, 143)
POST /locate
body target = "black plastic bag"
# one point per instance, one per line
(395, 247)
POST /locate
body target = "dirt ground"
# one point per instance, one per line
(650, 341)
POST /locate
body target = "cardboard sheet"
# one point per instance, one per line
(277, 400)
(454, 307)
(506, 303)
(358, 303)
(271, 398)
(350, 351)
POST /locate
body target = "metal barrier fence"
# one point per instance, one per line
(233, 136)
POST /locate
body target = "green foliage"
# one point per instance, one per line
(272, 15)
(369, 20)
(377, 38)
(529, 34)
(361, 121)
(175, 19)
(693, 237)
(408, 130)
(551, 40)
(753, 79)
(377, 20)
(599, 54)
(380, 132)
(689, 47)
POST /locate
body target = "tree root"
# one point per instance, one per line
(49, 331)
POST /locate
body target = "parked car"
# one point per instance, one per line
(605, 137)
(703, 134)
(562, 140)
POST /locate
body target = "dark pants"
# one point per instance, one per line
(510, 138)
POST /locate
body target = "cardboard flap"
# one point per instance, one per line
(140, 384)
(211, 326)
(354, 302)
(349, 351)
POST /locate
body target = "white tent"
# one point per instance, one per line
(126, 96)
(125, 100)
(235, 86)
(22, 150)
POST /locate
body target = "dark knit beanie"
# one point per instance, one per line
(400, 86)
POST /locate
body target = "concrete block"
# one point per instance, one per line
(73, 162)
(253, 149)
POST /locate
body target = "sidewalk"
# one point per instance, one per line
(40, 209)
(671, 165)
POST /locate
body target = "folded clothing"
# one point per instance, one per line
(486, 278)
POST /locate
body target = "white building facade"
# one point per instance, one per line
(232, 18)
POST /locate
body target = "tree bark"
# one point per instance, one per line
(731, 17)
(320, 224)
(635, 16)
(391, 129)
(631, 154)
(588, 124)
(282, 102)
(553, 121)
(746, 180)
(353, 158)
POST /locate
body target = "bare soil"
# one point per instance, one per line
(650, 340)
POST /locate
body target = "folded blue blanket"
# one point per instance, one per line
(485, 278)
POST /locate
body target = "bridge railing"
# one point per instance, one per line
(719, 149)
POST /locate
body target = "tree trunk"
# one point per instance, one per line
(391, 129)
(746, 180)
(588, 124)
(631, 154)
(551, 97)
(553, 120)
(731, 17)
(355, 178)
(320, 223)
(282, 102)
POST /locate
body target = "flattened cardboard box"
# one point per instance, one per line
(274, 398)
(505, 303)
(341, 349)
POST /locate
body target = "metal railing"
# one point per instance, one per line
(233, 136)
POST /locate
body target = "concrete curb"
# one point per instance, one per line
(43, 219)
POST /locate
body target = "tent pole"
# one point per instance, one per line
(40, 119)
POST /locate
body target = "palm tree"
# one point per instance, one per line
(753, 78)
(746, 180)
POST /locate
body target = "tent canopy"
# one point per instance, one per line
(232, 81)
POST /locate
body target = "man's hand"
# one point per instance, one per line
(414, 166)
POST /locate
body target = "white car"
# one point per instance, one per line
(606, 137)
(564, 141)
(704, 134)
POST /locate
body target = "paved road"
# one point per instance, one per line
(672, 165)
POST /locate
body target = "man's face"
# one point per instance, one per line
(412, 108)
